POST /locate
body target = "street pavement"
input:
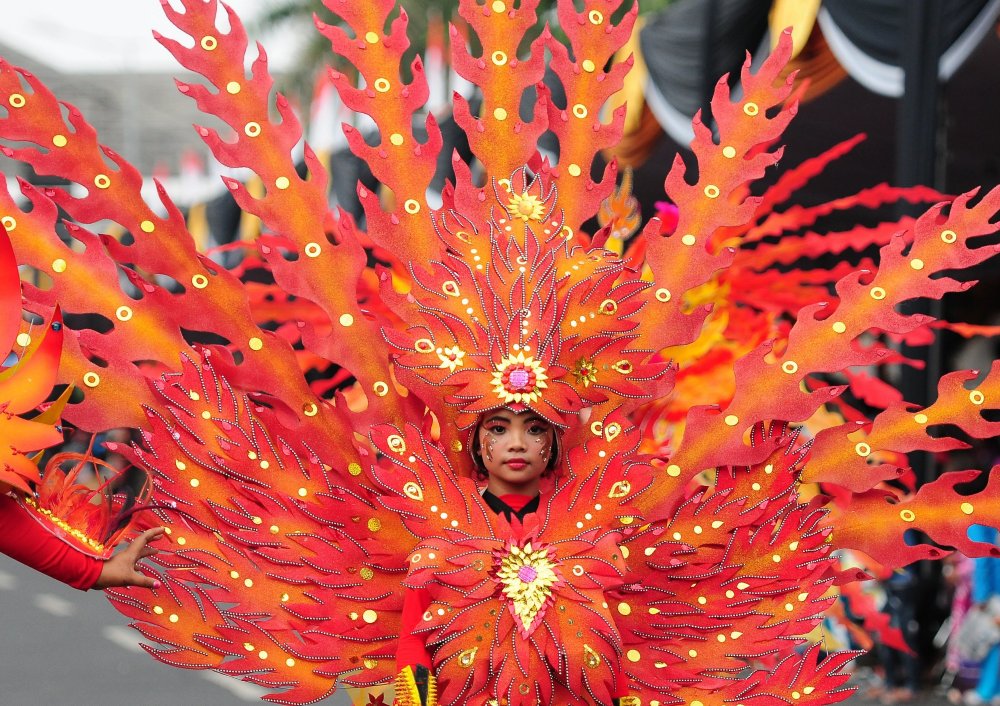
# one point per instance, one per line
(63, 647)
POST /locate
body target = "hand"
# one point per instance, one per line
(120, 570)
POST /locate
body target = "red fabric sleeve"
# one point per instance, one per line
(412, 649)
(23, 538)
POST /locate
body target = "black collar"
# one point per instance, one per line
(501, 508)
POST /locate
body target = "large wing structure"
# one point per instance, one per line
(298, 515)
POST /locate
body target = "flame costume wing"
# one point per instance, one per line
(298, 518)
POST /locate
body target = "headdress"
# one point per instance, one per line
(696, 576)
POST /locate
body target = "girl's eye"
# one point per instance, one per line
(496, 429)
(538, 429)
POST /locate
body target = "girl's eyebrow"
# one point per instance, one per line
(497, 418)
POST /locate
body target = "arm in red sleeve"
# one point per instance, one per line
(24, 539)
(412, 649)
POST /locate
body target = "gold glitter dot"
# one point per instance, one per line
(59, 140)
(209, 43)
(248, 583)
(199, 281)
(907, 515)
(712, 191)
(274, 529)
(499, 58)
(633, 655)
(147, 226)
(123, 313)
(688, 239)
(976, 397)
(195, 482)
(729, 151)
(588, 66)
(498, 6)
(354, 469)
(23, 340)
(102, 181)
(173, 618)
(863, 449)
(396, 139)
(262, 654)
(369, 616)
(303, 492)
(289, 662)
(595, 17)
(456, 446)
(500, 113)
(374, 524)
(158, 609)
(252, 129)
(233, 87)
(732, 420)
(917, 264)
(312, 249)
(382, 85)
(776, 558)
(790, 367)
(235, 575)
(839, 327)
(967, 508)
(346, 320)
(624, 608)
(673, 470)
(580, 110)
(282, 182)
(574, 170)
(371, 37)
(16, 100)
(255, 344)
(91, 379)
(285, 597)
(920, 418)
(949, 236)
(716, 524)
(877, 293)
(750, 108)
(411, 206)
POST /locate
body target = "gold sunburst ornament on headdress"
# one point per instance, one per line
(519, 378)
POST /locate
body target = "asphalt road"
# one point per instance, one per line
(62, 647)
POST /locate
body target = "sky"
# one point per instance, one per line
(110, 35)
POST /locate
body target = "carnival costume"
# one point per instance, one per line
(297, 521)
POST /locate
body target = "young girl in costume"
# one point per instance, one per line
(514, 453)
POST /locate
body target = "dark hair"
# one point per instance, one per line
(475, 449)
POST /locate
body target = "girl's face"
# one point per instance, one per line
(516, 449)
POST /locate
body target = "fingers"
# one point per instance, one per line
(143, 581)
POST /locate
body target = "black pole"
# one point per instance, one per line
(919, 162)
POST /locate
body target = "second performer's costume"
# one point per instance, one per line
(692, 575)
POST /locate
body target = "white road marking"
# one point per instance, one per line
(241, 689)
(123, 637)
(54, 605)
(7, 581)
